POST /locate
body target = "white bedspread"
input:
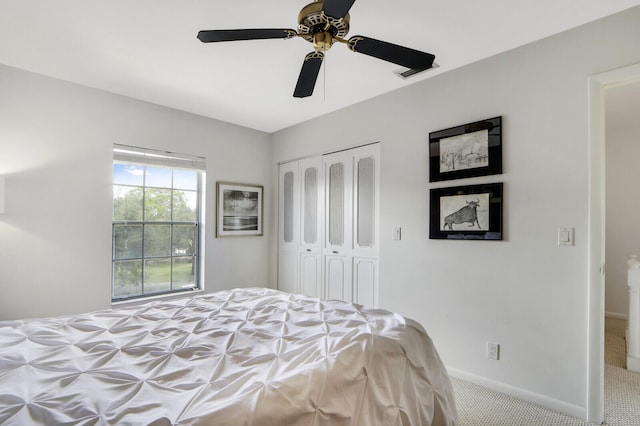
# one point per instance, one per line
(240, 357)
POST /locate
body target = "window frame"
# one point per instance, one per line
(148, 158)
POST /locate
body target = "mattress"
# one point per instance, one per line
(240, 357)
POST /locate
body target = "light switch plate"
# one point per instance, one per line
(397, 233)
(565, 236)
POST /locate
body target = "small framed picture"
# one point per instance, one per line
(465, 151)
(239, 211)
(472, 212)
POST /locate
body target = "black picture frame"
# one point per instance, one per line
(239, 211)
(471, 212)
(469, 150)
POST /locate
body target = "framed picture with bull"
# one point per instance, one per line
(472, 212)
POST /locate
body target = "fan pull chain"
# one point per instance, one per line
(324, 78)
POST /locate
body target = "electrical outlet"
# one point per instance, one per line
(493, 351)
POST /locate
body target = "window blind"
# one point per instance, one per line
(131, 154)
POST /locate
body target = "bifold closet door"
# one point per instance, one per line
(366, 172)
(337, 256)
(311, 203)
(351, 225)
(328, 226)
(288, 227)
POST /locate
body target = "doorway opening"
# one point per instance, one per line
(622, 149)
(602, 299)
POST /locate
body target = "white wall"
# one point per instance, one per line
(622, 204)
(526, 293)
(56, 142)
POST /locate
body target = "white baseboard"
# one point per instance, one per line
(633, 364)
(615, 315)
(533, 397)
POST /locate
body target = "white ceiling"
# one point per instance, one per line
(147, 49)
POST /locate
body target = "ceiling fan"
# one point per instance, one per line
(324, 23)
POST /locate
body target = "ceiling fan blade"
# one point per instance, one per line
(337, 8)
(404, 56)
(308, 75)
(210, 36)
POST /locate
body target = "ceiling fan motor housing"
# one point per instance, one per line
(318, 28)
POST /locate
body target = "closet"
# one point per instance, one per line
(328, 225)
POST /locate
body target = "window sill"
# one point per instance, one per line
(142, 300)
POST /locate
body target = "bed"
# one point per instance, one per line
(240, 357)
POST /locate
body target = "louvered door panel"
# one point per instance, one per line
(288, 227)
(365, 214)
(311, 215)
(338, 169)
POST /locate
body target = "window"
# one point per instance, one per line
(157, 206)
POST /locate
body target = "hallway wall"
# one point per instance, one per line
(622, 147)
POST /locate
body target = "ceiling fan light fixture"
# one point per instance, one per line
(322, 41)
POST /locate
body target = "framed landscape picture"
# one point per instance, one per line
(239, 211)
(469, 150)
(472, 212)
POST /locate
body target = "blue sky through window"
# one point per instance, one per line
(128, 174)
(160, 177)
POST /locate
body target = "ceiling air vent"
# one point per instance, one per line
(404, 73)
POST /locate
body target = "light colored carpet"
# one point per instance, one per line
(479, 406)
(621, 386)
